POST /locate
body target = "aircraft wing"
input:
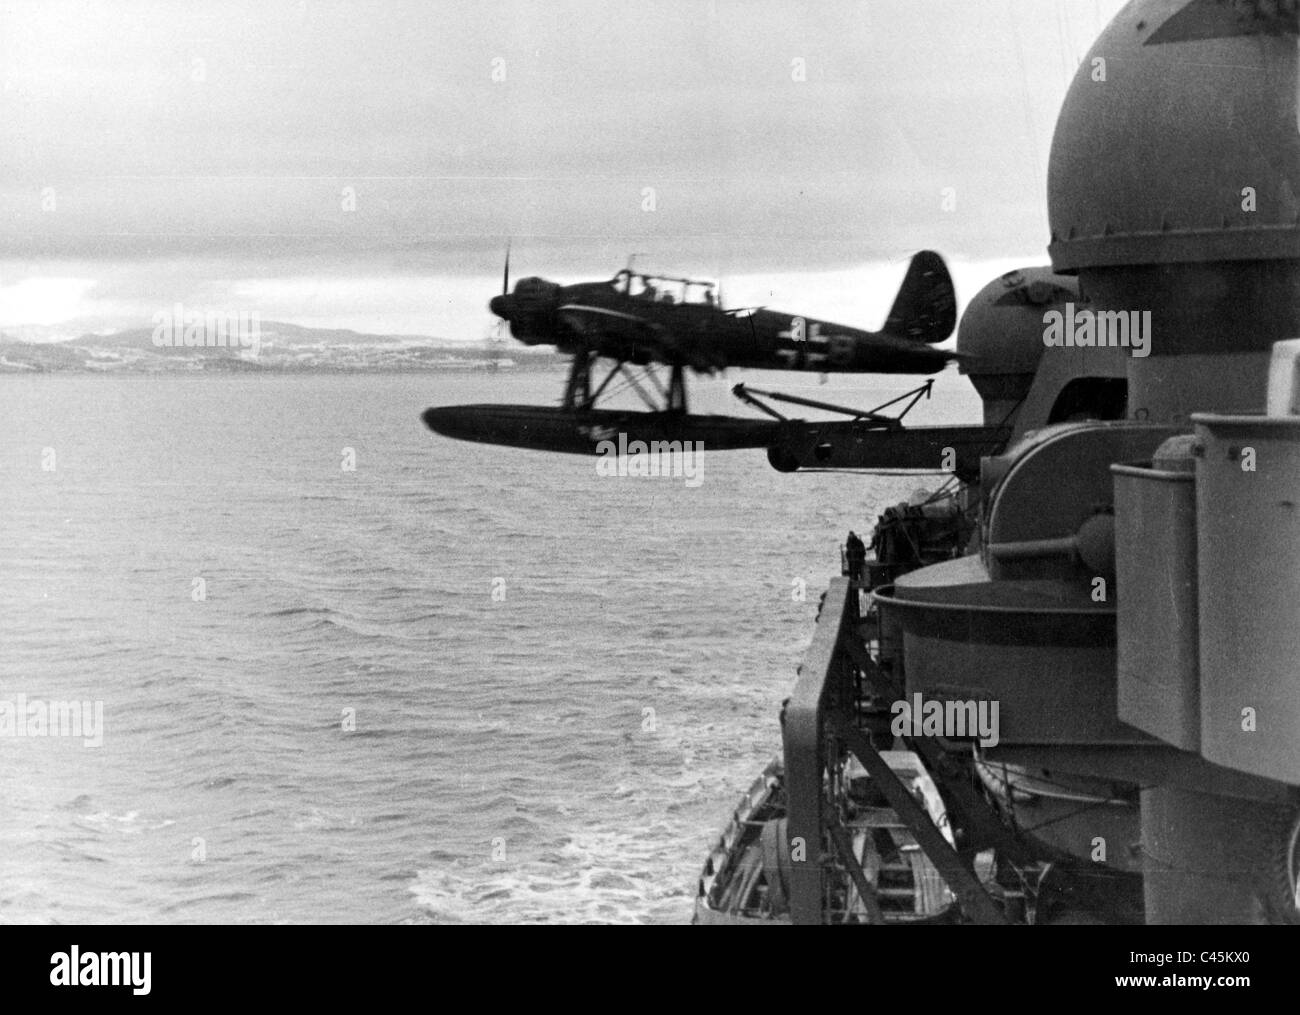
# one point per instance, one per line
(602, 328)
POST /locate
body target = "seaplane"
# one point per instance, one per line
(655, 322)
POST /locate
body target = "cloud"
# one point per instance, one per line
(282, 140)
(46, 300)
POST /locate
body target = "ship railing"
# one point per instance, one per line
(825, 685)
(820, 729)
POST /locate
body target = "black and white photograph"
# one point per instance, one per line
(692, 462)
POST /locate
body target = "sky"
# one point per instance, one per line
(364, 165)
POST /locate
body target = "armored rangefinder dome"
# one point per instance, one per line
(1178, 141)
(1173, 188)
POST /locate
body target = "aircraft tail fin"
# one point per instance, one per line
(925, 309)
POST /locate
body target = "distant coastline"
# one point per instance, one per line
(282, 348)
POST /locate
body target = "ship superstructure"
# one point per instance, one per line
(1063, 688)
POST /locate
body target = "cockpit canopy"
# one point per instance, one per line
(665, 288)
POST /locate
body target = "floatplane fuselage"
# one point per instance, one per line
(647, 321)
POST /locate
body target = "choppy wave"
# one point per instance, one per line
(459, 684)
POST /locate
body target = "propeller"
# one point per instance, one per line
(495, 341)
(498, 304)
